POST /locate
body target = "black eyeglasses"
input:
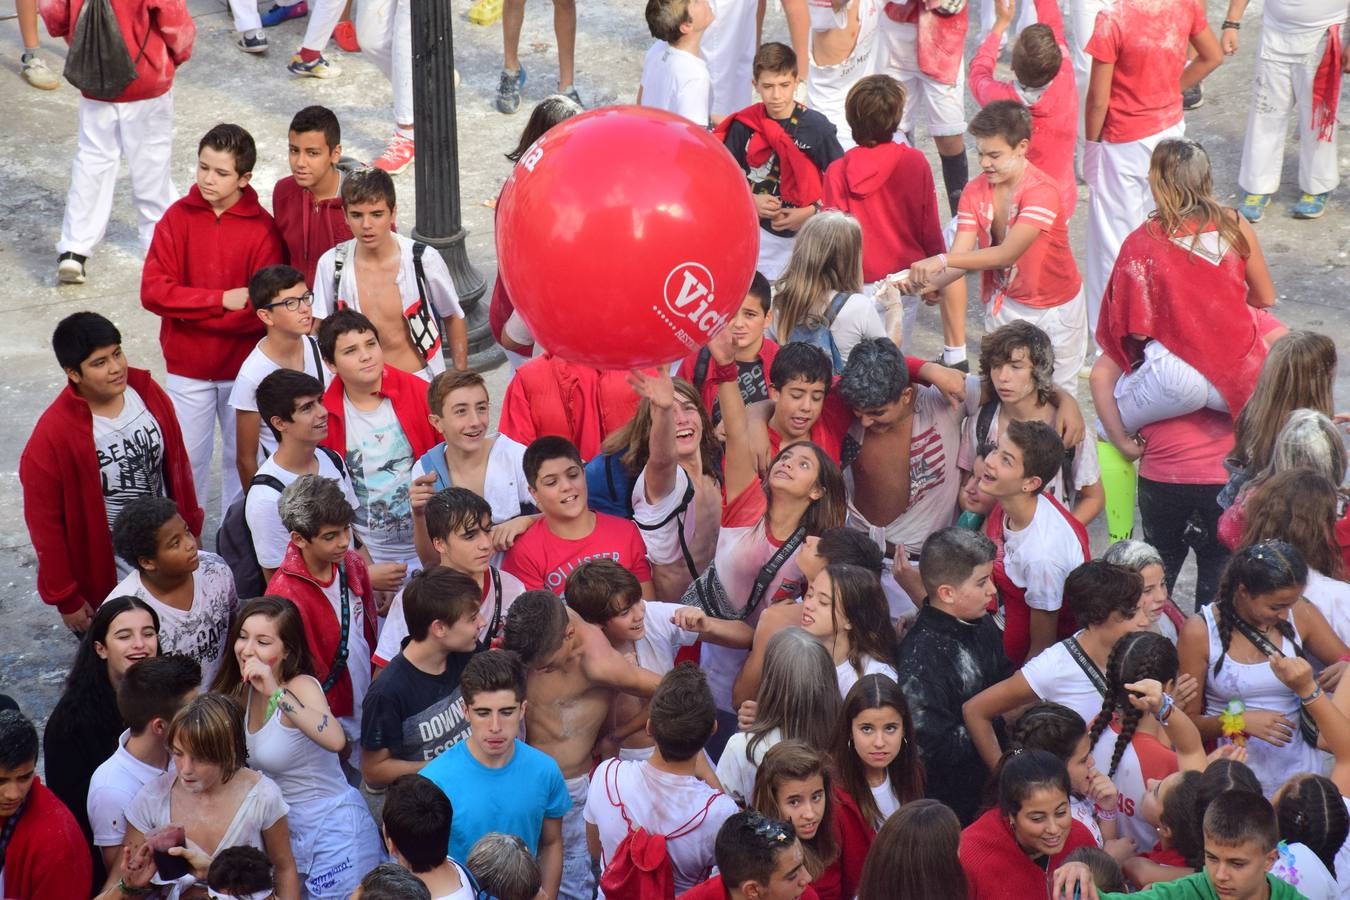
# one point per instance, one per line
(294, 303)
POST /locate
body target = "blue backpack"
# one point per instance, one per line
(815, 330)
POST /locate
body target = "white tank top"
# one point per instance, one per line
(305, 772)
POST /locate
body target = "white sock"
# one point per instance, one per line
(953, 355)
(403, 132)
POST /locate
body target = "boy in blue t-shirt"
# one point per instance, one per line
(495, 781)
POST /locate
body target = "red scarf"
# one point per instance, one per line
(1327, 87)
(798, 177)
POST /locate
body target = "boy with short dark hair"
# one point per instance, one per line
(416, 820)
(109, 437)
(305, 203)
(406, 291)
(569, 533)
(1039, 541)
(754, 352)
(283, 302)
(414, 711)
(495, 781)
(800, 379)
(953, 651)
(663, 793)
(191, 590)
(784, 149)
(674, 76)
(758, 858)
(205, 250)
(151, 692)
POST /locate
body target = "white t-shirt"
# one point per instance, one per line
(201, 632)
(113, 786)
(1144, 759)
(358, 652)
(662, 640)
(737, 773)
(270, 537)
(848, 676)
(1297, 865)
(828, 86)
(380, 459)
(1301, 15)
(661, 803)
(504, 485)
(1086, 470)
(257, 366)
(1332, 598)
(441, 288)
(1053, 675)
(858, 320)
(677, 81)
(884, 797)
(465, 892)
(1039, 557)
(663, 544)
(130, 452)
(395, 627)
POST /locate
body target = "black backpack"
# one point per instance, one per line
(234, 540)
(98, 62)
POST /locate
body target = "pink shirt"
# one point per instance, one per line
(1146, 41)
(542, 560)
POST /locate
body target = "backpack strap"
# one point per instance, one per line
(698, 819)
(982, 423)
(335, 458)
(701, 364)
(496, 608)
(836, 305)
(318, 359)
(339, 260)
(1066, 476)
(268, 480)
(678, 515)
(612, 791)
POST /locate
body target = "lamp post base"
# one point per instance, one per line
(484, 353)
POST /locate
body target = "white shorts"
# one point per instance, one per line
(774, 253)
(1066, 325)
(1163, 387)
(943, 105)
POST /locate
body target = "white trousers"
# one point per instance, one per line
(1119, 200)
(1084, 20)
(1163, 387)
(324, 16)
(1026, 15)
(1282, 81)
(384, 28)
(141, 131)
(728, 46)
(942, 106)
(1066, 325)
(247, 17)
(774, 253)
(199, 405)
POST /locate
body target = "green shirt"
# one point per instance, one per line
(1197, 887)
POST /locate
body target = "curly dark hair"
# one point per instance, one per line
(135, 531)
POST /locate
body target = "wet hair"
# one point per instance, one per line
(1006, 119)
(826, 511)
(18, 740)
(1024, 773)
(548, 112)
(416, 818)
(211, 728)
(800, 361)
(135, 531)
(1133, 555)
(1237, 817)
(951, 555)
(762, 291)
(1097, 590)
(446, 383)
(1135, 657)
(600, 589)
(1182, 183)
(1036, 57)
(998, 346)
(339, 323)
(790, 760)
(1299, 506)
(321, 119)
(1106, 872)
(89, 698)
(876, 374)
(78, 335)
(504, 867)
(826, 259)
(290, 627)
(666, 17)
(390, 881)
(312, 503)
(682, 713)
(368, 185)
(454, 510)
(748, 845)
(1310, 811)
(1183, 816)
(915, 855)
(1298, 373)
(631, 442)
(1042, 449)
(773, 58)
(491, 671)
(906, 771)
(234, 140)
(873, 109)
(858, 599)
(543, 449)
(270, 281)
(240, 872)
(848, 546)
(536, 625)
(154, 688)
(798, 693)
(439, 594)
(278, 392)
(1257, 569)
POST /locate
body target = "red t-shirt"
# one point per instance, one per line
(1045, 275)
(1146, 41)
(714, 889)
(827, 433)
(542, 560)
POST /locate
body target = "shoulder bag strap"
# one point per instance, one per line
(339, 260)
(340, 657)
(496, 609)
(318, 359)
(1089, 667)
(770, 569)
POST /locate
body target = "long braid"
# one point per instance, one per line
(1128, 723)
(1114, 698)
(1257, 569)
(1224, 614)
(1135, 657)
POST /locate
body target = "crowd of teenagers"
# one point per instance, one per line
(801, 615)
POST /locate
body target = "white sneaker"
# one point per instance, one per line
(36, 73)
(70, 268)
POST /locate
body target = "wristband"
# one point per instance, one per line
(132, 891)
(1229, 23)
(1317, 692)
(1345, 658)
(1106, 815)
(272, 703)
(1165, 711)
(722, 373)
(942, 258)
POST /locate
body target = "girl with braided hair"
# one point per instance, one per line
(1258, 616)
(1150, 737)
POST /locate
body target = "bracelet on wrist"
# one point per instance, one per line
(132, 891)
(1107, 815)
(1165, 711)
(1229, 23)
(272, 701)
(1317, 692)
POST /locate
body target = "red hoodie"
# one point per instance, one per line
(549, 395)
(63, 495)
(998, 869)
(889, 190)
(714, 889)
(309, 227)
(406, 393)
(194, 258)
(47, 857)
(163, 26)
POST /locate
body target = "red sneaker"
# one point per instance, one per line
(397, 156)
(345, 35)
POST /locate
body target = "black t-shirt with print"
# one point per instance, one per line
(814, 135)
(413, 715)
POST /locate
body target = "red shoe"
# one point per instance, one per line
(397, 156)
(345, 35)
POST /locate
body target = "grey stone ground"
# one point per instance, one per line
(1309, 259)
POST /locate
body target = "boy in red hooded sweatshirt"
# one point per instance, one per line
(195, 279)
(136, 124)
(306, 204)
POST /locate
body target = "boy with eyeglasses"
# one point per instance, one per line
(285, 305)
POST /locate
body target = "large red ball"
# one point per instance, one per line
(626, 237)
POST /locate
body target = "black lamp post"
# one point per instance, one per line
(437, 169)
